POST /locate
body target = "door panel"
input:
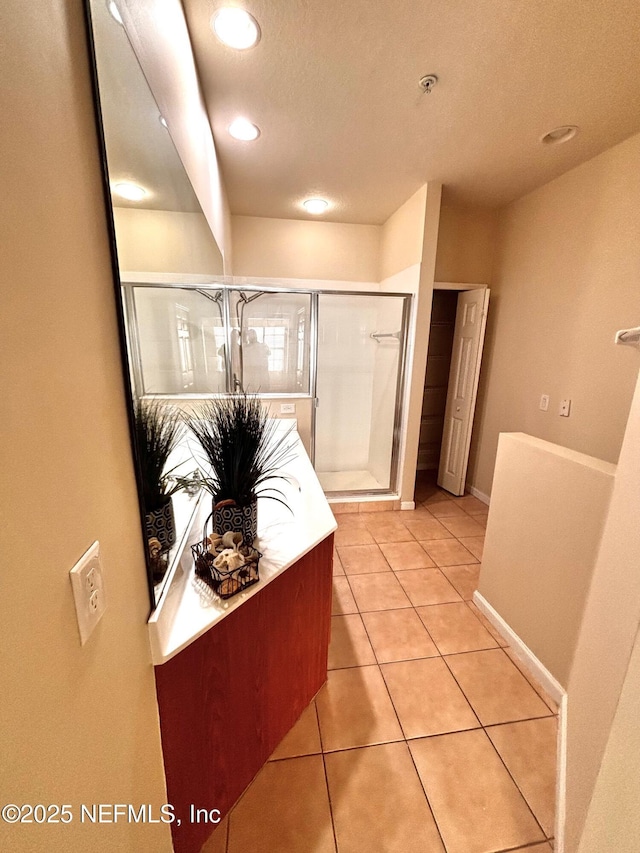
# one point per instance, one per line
(463, 388)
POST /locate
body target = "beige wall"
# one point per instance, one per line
(165, 241)
(158, 32)
(613, 821)
(402, 236)
(609, 629)
(78, 725)
(565, 279)
(428, 217)
(466, 244)
(548, 508)
(299, 248)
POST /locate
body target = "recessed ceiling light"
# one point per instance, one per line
(132, 192)
(315, 205)
(114, 12)
(243, 129)
(560, 134)
(163, 122)
(235, 28)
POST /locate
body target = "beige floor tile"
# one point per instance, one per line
(427, 528)
(475, 544)
(420, 513)
(448, 552)
(406, 555)
(337, 565)
(343, 600)
(350, 520)
(454, 628)
(269, 818)
(349, 644)
(545, 847)
(436, 496)
(464, 578)
(378, 802)
(303, 739)
(497, 636)
(362, 559)
(427, 586)
(481, 518)
(355, 710)
(471, 505)
(375, 519)
(353, 536)
(496, 689)
(553, 705)
(475, 803)
(388, 532)
(427, 699)
(217, 841)
(378, 591)
(529, 751)
(464, 526)
(446, 509)
(398, 635)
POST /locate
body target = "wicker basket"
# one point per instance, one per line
(226, 583)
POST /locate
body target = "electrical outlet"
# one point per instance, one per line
(544, 402)
(287, 408)
(88, 591)
(565, 408)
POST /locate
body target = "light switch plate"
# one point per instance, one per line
(544, 402)
(287, 408)
(88, 591)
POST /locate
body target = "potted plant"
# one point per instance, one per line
(157, 431)
(241, 453)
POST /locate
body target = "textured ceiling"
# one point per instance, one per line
(333, 85)
(139, 148)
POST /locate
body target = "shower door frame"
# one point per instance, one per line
(401, 376)
(128, 282)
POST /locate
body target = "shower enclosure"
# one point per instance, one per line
(335, 359)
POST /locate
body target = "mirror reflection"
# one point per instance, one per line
(161, 235)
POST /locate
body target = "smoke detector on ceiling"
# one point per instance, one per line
(427, 83)
(560, 134)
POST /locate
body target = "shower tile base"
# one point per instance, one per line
(347, 481)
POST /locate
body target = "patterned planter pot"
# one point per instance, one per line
(232, 517)
(161, 525)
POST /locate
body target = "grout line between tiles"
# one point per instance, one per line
(426, 796)
(326, 777)
(513, 779)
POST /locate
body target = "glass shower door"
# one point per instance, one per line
(361, 342)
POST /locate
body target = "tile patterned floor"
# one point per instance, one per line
(427, 737)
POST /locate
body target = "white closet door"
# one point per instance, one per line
(468, 340)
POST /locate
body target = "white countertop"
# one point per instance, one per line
(188, 607)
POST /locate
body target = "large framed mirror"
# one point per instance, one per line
(159, 232)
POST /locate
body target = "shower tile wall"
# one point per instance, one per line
(356, 389)
(443, 319)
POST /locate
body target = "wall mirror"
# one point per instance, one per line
(160, 232)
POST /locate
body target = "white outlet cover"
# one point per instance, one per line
(565, 408)
(287, 408)
(88, 591)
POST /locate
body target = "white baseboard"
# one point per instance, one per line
(478, 494)
(408, 505)
(555, 690)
